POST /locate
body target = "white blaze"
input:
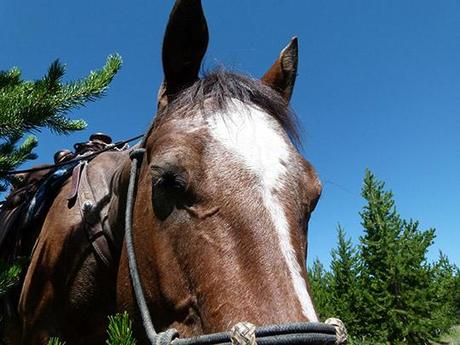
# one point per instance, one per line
(252, 135)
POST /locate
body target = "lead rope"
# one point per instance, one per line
(163, 338)
(332, 332)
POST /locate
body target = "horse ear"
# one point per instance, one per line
(184, 46)
(281, 76)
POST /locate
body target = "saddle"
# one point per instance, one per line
(24, 210)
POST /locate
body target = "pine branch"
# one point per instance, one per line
(120, 330)
(28, 106)
(10, 78)
(55, 73)
(12, 156)
(55, 341)
(10, 276)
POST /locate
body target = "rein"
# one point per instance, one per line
(332, 332)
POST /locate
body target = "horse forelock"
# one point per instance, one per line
(218, 90)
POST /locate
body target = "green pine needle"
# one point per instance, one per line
(10, 276)
(10, 78)
(120, 330)
(55, 341)
(12, 155)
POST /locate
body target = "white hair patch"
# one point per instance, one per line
(254, 137)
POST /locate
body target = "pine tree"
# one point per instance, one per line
(27, 106)
(345, 284)
(385, 290)
(456, 294)
(395, 271)
(445, 293)
(320, 281)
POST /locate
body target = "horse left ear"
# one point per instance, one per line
(281, 76)
(184, 45)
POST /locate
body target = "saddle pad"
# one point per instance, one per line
(17, 220)
(44, 197)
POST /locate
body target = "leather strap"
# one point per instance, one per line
(91, 216)
(76, 173)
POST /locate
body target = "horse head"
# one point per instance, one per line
(224, 196)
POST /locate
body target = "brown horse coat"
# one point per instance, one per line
(68, 291)
(223, 201)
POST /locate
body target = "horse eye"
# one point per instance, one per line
(172, 181)
(168, 191)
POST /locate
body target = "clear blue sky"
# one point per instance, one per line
(378, 88)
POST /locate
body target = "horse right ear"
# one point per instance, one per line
(184, 46)
(281, 76)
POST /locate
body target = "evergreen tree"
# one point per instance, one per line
(456, 294)
(345, 284)
(384, 290)
(320, 281)
(395, 271)
(27, 106)
(444, 291)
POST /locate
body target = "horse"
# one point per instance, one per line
(220, 216)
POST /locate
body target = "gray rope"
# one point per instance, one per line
(136, 159)
(311, 333)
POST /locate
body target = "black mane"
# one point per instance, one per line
(217, 87)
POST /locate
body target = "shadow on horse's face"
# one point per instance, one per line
(224, 196)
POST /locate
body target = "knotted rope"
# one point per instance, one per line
(243, 333)
(340, 330)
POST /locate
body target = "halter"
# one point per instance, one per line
(332, 332)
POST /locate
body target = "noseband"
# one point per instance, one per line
(307, 333)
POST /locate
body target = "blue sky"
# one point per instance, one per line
(378, 88)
